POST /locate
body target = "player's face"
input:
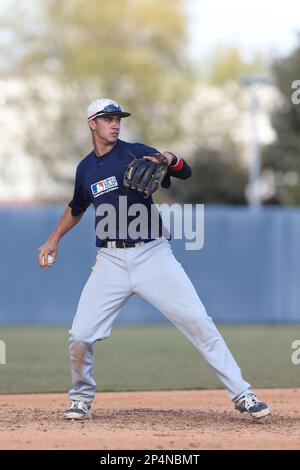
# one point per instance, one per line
(107, 128)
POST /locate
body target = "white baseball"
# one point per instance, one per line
(50, 260)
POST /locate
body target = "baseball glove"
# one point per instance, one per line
(145, 176)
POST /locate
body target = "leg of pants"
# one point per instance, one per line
(160, 279)
(103, 296)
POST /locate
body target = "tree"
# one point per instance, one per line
(283, 156)
(215, 180)
(131, 50)
(228, 64)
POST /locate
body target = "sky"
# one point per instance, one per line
(266, 26)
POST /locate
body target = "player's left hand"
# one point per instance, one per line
(146, 174)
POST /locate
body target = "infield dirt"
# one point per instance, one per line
(150, 420)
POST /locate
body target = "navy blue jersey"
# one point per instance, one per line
(99, 180)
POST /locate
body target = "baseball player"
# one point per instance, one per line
(126, 265)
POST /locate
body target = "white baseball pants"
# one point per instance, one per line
(152, 271)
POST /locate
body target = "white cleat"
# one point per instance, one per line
(78, 410)
(250, 404)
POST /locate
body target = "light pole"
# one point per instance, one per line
(255, 148)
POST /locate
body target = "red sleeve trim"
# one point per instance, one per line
(177, 166)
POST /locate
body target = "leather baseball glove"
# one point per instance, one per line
(145, 176)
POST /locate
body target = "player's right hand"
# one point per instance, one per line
(48, 248)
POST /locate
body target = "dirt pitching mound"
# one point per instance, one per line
(150, 420)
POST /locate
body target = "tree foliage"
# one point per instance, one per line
(131, 50)
(283, 156)
(214, 180)
(227, 63)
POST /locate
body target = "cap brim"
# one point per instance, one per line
(118, 114)
(112, 113)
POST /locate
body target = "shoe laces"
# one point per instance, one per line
(250, 400)
(80, 405)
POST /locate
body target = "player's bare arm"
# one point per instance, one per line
(66, 223)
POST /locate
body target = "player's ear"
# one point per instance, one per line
(92, 124)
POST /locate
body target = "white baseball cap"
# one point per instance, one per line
(103, 107)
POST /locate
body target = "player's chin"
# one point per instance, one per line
(113, 138)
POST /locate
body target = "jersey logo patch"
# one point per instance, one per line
(104, 186)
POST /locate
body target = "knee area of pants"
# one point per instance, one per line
(80, 340)
(200, 322)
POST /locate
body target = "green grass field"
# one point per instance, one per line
(145, 358)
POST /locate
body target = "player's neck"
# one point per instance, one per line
(101, 147)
